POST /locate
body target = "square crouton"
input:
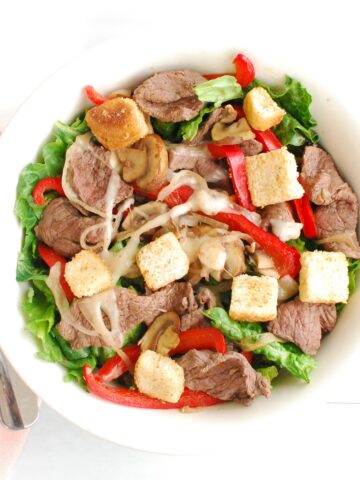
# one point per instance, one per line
(253, 299)
(117, 123)
(87, 274)
(260, 109)
(159, 376)
(273, 177)
(162, 261)
(324, 277)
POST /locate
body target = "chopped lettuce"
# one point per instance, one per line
(219, 90)
(297, 127)
(189, 129)
(167, 130)
(28, 213)
(285, 355)
(291, 132)
(353, 267)
(269, 372)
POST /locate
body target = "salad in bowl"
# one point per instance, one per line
(187, 240)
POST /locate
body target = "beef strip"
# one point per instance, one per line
(61, 226)
(226, 376)
(133, 309)
(170, 96)
(207, 125)
(196, 319)
(302, 323)
(278, 211)
(199, 160)
(338, 208)
(89, 174)
(251, 147)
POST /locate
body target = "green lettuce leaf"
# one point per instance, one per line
(298, 124)
(286, 355)
(167, 130)
(269, 372)
(50, 164)
(353, 267)
(291, 132)
(189, 129)
(219, 90)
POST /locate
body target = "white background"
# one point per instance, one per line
(36, 38)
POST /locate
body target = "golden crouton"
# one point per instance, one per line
(324, 277)
(260, 109)
(273, 177)
(159, 377)
(253, 299)
(117, 123)
(87, 274)
(162, 261)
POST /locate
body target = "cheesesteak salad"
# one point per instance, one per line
(187, 241)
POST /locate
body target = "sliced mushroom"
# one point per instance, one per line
(212, 254)
(143, 213)
(134, 162)
(240, 129)
(163, 334)
(265, 264)
(235, 260)
(229, 114)
(157, 163)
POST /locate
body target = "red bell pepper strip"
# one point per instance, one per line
(94, 96)
(150, 195)
(200, 338)
(302, 205)
(45, 184)
(306, 216)
(179, 196)
(236, 160)
(248, 356)
(212, 76)
(268, 139)
(134, 398)
(116, 366)
(286, 259)
(239, 110)
(48, 255)
(245, 71)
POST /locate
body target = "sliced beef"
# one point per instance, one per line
(133, 309)
(199, 160)
(226, 376)
(170, 96)
(206, 297)
(194, 319)
(278, 211)
(251, 147)
(207, 125)
(338, 211)
(320, 178)
(302, 323)
(339, 219)
(61, 226)
(89, 174)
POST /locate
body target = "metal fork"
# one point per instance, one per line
(19, 406)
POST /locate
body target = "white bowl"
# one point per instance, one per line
(112, 66)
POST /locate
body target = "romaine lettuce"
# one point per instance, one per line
(286, 355)
(219, 90)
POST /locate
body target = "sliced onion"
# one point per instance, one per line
(249, 345)
(343, 237)
(286, 230)
(288, 288)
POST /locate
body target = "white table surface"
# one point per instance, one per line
(38, 37)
